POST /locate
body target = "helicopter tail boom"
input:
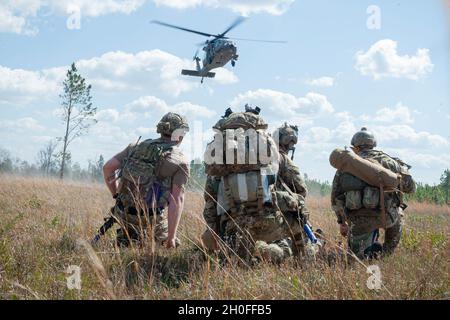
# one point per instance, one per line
(195, 73)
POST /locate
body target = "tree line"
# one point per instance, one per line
(48, 164)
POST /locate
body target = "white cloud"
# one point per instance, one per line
(143, 70)
(108, 115)
(319, 135)
(274, 7)
(95, 8)
(382, 60)
(407, 133)
(321, 82)
(284, 105)
(15, 15)
(111, 72)
(225, 76)
(22, 125)
(398, 114)
(420, 159)
(150, 106)
(24, 85)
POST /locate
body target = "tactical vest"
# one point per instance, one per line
(245, 177)
(141, 187)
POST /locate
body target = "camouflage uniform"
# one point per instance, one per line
(365, 224)
(246, 229)
(150, 169)
(272, 230)
(291, 189)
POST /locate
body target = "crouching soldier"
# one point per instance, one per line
(153, 175)
(365, 200)
(291, 190)
(240, 211)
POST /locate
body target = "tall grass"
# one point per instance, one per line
(46, 225)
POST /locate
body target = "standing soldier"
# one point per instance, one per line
(363, 209)
(153, 175)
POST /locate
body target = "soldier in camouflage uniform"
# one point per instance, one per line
(248, 229)
(153, 177)
(361, 226)
(274, 228)
(290, 188)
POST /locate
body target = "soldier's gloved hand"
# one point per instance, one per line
(343, 228)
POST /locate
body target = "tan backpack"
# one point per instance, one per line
(142, 187)
(241, 154)
(241, 144)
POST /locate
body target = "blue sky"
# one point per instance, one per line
(333, 76)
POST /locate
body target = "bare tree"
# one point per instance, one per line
(77, 110)
(6, 163)
(46, 158)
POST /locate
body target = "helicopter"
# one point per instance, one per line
(218, 51)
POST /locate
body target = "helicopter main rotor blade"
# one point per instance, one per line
(181, 28)
(236, 22)
(256, 40)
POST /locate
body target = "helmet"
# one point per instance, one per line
(364, 138)
(171, 122)
(287, 136)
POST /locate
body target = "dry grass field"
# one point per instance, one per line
(41, 222)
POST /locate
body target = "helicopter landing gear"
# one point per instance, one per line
(197, 62)
(201, 80)
(233, 63)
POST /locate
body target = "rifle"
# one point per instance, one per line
(109, 222)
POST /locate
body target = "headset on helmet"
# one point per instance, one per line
(287, 136)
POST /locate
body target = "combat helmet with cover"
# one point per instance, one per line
(364, 138)
(287, 136)
(171, 122)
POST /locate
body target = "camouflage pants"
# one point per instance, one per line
(294, 232)
(134, 228)
(362, 244)
(261, 235)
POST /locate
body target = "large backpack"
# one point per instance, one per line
(141, 186)
(362, 191)
(246, 174)
(242, 131)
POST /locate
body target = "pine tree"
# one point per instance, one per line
(78, 111)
